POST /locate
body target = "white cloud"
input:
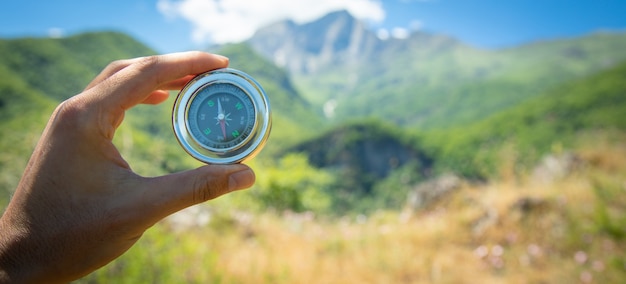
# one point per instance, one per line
(416, 25)
(55, 33)
(400, 33)
(221, 21)
(382, 34)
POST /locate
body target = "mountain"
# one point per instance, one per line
(425, 81)
(334, 40)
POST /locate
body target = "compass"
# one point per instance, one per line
(222, 117)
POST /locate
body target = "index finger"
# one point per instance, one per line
(134, 83)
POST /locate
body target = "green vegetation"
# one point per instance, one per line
(535, 127)
(23, 115)
(365, 155)
(61, 68)
(331, 194)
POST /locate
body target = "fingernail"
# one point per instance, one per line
(240, 180)
(224, 58)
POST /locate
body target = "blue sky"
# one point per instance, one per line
(176, 25)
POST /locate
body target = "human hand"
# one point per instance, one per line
(79, 205)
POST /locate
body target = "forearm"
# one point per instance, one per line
(35, 254)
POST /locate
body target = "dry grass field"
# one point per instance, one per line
(519, 229)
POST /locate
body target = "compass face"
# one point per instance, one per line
(222, 117)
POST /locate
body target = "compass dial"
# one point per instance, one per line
(222, 117)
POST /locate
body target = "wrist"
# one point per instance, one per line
(14, 255)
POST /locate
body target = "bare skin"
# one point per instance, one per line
(79, 205)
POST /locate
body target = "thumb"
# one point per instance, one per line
(168, 194)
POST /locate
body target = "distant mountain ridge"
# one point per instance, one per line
(426, 80)
(336, 39)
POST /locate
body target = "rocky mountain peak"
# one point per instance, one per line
(337, 38)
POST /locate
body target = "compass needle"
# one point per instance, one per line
(221, 118)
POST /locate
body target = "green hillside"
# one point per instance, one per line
(61, 68)
(552, 120)
(23, 114)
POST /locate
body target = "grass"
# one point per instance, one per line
(516, 230)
